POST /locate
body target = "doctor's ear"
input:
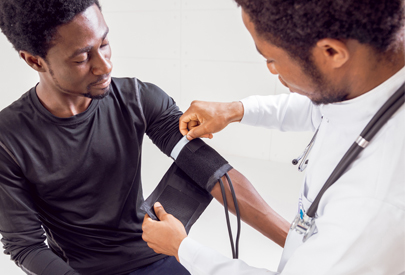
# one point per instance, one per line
(333, 52)
(35, 62)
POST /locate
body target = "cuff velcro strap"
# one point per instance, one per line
(202, 163)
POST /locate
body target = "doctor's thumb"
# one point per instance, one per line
(198, 132)
(159, 210)
(191, 135)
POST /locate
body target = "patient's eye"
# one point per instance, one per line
(82, 58)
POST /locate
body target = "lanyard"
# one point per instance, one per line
(306, 224)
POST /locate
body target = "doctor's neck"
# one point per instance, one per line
(370, 68)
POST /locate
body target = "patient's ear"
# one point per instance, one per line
(332, 52)
(35, 62)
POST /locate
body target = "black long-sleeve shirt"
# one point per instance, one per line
(77, 181)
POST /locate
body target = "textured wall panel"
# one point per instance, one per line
(145, 34)
(140, 5)
(216, 35)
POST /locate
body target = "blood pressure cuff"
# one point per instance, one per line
(202, 163)
(180, 196)
(184, 190)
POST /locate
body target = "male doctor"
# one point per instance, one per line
(341, 60)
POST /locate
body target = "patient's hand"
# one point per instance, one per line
(164, 236)
(203, 118)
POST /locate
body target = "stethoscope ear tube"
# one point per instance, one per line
(347, 159)
(375, 124)
(384, 113)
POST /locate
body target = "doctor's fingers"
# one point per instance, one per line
(210, 117)
(200, 126)
(150, 230)
(188, 121)
(164, 236)
(147, 223)
(188, 129)
(160, 211)
(200, 131)
(198, 113)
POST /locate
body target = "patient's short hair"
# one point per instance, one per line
(31, 25)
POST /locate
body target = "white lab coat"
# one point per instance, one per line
(361, 218)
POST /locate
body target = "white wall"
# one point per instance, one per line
(196, 49)
(192, 49)
(15, 76)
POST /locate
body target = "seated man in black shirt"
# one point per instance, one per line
(70, 150)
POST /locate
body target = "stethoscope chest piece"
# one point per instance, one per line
(304, 225)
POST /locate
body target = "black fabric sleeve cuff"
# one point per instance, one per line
(202, 163)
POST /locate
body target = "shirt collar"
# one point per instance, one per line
(365, 106)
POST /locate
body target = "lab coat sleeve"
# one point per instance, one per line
(355, 236)
(285, 112)
(201, 260)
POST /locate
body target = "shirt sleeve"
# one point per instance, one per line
(161, 117)
(20, 227)
(201, 260)
(285, 112)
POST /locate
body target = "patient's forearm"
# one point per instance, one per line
(253, 209)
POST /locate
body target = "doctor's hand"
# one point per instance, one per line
(203, 118)
(164, 236)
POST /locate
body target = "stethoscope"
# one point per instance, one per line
(304, 156)
(305, 223)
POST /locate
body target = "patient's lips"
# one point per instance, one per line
(103, 84)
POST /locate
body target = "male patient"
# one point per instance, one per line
(70, 150)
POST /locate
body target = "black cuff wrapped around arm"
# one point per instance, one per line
(202, 163)
(185, 189)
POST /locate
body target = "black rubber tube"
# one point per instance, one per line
(221, 184)
(235, 203)
(387, 105)
(375, 124)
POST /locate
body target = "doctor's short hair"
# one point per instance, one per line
(31, 25)
(297, 25)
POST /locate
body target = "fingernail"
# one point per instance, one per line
(157, 204)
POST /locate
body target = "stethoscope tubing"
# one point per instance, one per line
(375, 124)
(384, 113)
